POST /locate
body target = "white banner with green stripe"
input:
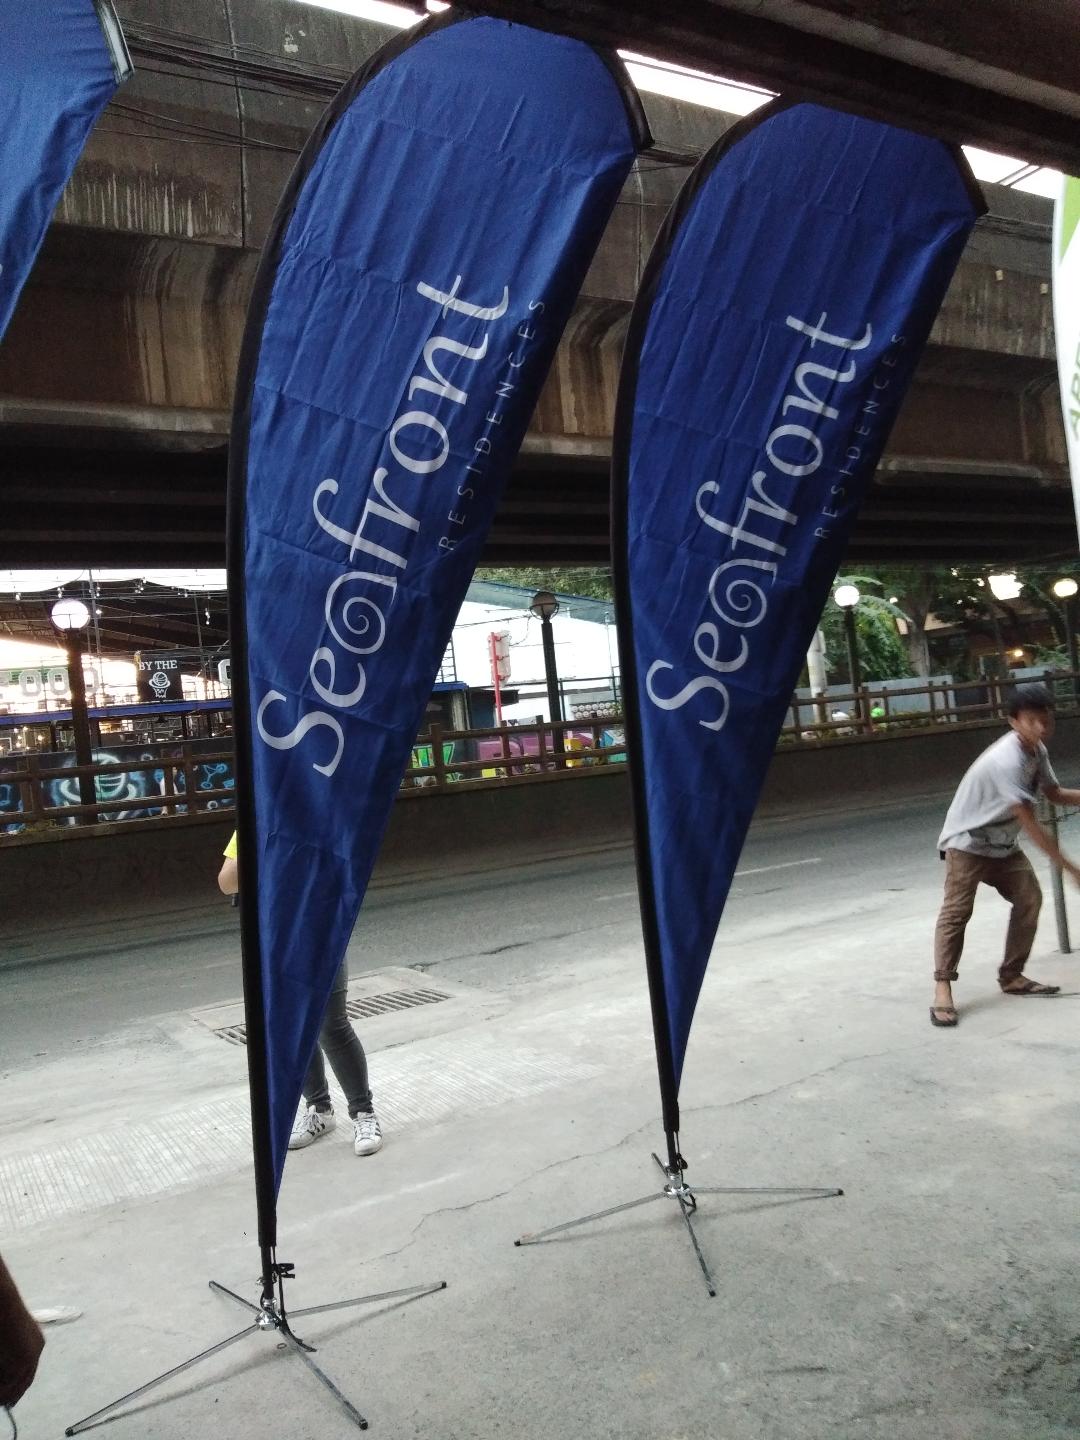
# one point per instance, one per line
(1067, 320)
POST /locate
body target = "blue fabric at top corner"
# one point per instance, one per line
(56, 76)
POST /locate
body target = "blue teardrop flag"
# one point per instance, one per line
(414, 287)
(780, 319)
(61, 62)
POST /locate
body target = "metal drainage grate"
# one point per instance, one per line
(393, 1000)
(366, 1009)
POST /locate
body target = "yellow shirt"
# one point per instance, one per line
(230, 849)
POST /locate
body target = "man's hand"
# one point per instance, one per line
(21, 1342)
(1025, 813)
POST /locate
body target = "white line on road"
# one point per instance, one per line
(739, 875)
(785, 865)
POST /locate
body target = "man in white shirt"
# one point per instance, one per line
(980, 842)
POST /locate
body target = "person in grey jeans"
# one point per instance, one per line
(344, 1051)
(342, 1048)
(980, 844)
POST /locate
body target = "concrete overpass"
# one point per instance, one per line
(999, 73)
(116, 373)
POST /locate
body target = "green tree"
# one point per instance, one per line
(920, 591)
(881, 649)
(1038, 582)
(961, 595)
(565, 580)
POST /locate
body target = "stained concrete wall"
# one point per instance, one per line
(126, 339)
(156, 237)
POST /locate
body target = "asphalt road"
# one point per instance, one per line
(125, 1154)
(489, 929)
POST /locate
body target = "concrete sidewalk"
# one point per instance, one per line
(936, 1299)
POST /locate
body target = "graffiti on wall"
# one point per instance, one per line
(149, 785)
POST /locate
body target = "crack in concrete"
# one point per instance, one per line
(837, 1065)
(426, 965)
(804, 1079)
(526, 1179)
(654, 1123)
(468, 1205)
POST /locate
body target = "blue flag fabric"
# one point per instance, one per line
(417, 279)
(61, 61)
(780, 318)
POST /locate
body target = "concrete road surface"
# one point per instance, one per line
(487, 928)
(936, 1299)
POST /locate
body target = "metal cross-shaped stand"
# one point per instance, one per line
(676, 1188)
(270, 1317)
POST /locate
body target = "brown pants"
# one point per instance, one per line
(1014, 880)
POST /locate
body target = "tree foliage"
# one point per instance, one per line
(949, 592)
(564, 580)
(956, 594)
(961, 595)
(881, 649)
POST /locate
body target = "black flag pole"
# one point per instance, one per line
(270, 1315)
(352, 284)
(675, 1185)
(727, 298)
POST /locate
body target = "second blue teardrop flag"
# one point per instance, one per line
(780, 319)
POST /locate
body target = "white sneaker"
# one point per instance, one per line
(367, 1133)
(311, 1126)
(56, 1314)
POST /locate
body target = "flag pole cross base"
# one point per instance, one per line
(677, 1188)
(268, 1316)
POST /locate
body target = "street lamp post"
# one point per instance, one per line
(1065, 590)
(847, 597)
(544, 605)
(1003, 587)
(71, 618)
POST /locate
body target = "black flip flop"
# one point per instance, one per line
(936, 1010)
(1032, 987)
